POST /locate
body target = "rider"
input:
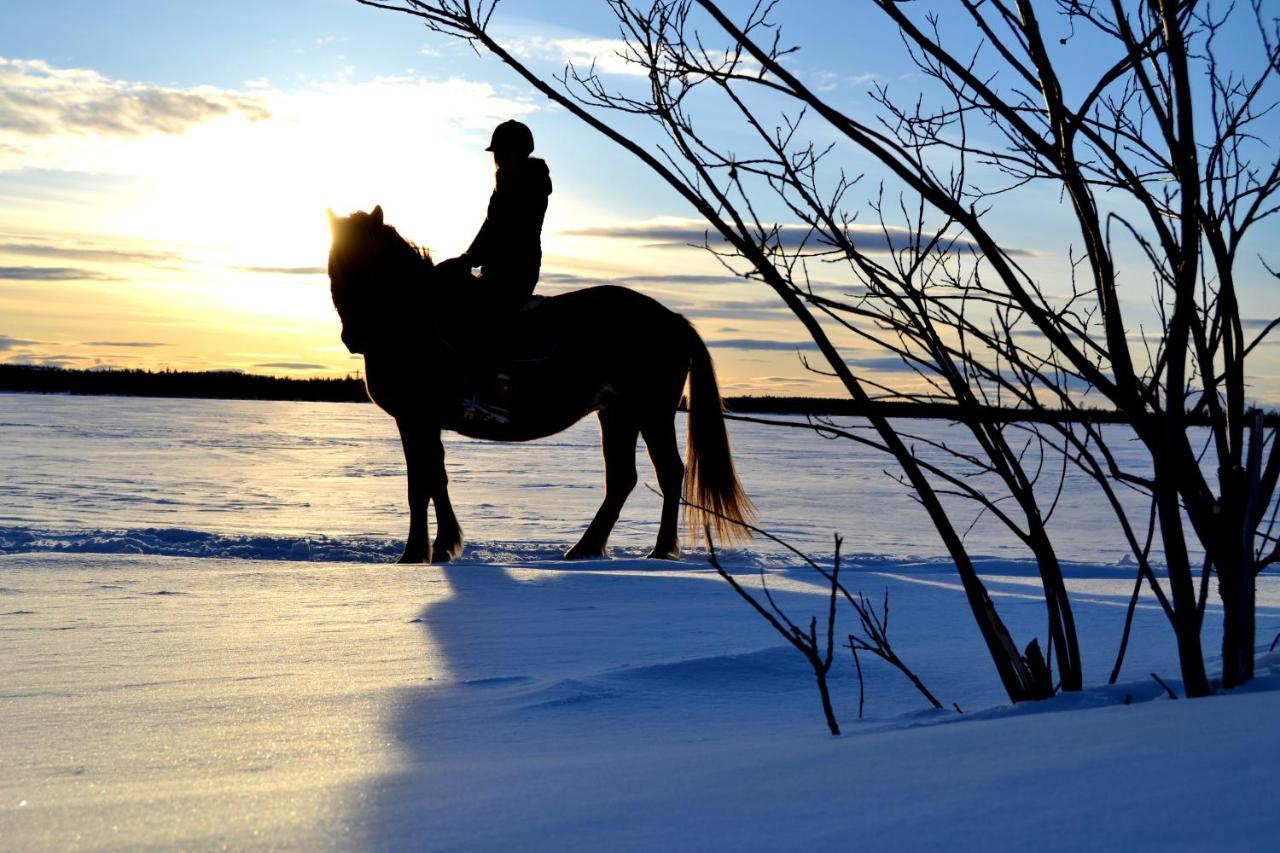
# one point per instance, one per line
(508, 249)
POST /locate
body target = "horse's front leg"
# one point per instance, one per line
(428, 482)
(415, 438)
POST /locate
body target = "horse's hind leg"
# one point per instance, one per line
(448, 543)
(665, 455)
(618, 441)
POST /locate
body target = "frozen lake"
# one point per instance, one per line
(166, 687)
(256, 478)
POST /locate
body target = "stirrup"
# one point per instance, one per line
(473, 410)
(488, 412)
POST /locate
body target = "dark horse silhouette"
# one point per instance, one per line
(604, 349)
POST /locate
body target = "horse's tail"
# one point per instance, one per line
(712, 491)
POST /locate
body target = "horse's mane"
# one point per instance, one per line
(389, 262)
(407, 247)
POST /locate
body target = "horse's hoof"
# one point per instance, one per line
(577, 552)
(412, 558)
(444, 553)
(655, 554)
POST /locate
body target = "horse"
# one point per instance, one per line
(604, 349)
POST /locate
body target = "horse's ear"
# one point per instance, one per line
(333, 219)
(376, 214)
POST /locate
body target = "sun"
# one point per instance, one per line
(251, 192)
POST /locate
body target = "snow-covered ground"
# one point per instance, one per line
(202, 649)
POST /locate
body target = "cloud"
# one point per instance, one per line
(45, 250)
(51, 274)
(39, 100)
(755, 344)
(737, 309)
(609, 55)
(45, 360)
(754, 383)
(80, 120)
(286, 270)
(677, 234)
(828, 81)
(291, 365)
(886, 363)
(640, 280)
(8, 343)
(130, 344)
(704, 307)
(876, 363)
(681, 279)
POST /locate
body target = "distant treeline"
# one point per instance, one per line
(939, 411)
(902, 409)
(216, 384)
(233, 385)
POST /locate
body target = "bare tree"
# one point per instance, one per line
(1161, 159)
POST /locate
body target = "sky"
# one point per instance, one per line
(165, 169)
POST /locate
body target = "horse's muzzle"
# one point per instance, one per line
(355, 343)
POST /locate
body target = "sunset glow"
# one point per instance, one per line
(166, 208)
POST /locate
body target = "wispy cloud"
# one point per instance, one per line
(640, 280)
(8, 343)
(51, 274)
(698, 304)
(290, 365)
(681, 279)
(888, 363)
(39, 100)
(736, 308)
(46, 360)
(80, 253)
(128, 344)
(285, 270)
(829, 81)
(608, 55)
(764, 385)
(677, 234)
(879, 363)
(756, 344)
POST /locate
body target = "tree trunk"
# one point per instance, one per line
(1236, 585)
(1236, 577)
(1062, 626)
(1186, 612)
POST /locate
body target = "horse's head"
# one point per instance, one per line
(371, 270)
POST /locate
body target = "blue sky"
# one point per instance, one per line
(190, 234)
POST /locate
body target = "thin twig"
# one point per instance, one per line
(1166, 687)
(862, 693)
(807, 645)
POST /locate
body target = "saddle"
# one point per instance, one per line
(490, 351)
(532, 340)
(528, 335)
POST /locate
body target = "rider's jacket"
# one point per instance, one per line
(508, 248)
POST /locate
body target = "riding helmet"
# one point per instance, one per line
(512, 136)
